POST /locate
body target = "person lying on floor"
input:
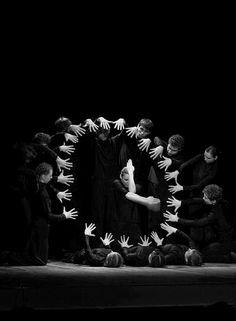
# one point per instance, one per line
(136, 255)
(179, 253)
(145, 254)
(102, 256)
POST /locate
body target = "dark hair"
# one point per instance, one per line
(41, 138)
(147, 124)
(43, 169)
(176, 141)
(213, 192)
(62, 124)
(113, 259)
(195, 258)
(212, 150)
(156, 259)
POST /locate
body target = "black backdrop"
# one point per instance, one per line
(179, 75)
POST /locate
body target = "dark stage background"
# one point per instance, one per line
(178, 75)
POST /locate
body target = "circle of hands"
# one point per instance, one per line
(119, 124)
(164, 163)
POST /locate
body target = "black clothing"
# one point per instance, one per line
(174, 253)
(127, 217)
(137, 255)
(202, 174)
(212, 225)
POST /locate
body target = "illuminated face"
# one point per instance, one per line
(45, 178)
(125, 179)
(142, 132)
(208, 158)
(207, 200)
(171, 151)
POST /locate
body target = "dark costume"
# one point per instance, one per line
(127, 217)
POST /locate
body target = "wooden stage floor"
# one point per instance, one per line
(65, 287)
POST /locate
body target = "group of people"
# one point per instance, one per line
(128, 184)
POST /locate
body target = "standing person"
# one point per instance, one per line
(66, 140)
(136, 145)
(203, 169)
(41, 215)
(167, 155)
(109, 153)
(101, 168)
(139, 140)
(56, 149)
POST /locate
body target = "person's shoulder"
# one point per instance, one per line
(116, 182)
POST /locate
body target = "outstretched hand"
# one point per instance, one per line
(71, 214)
(156, 238)
(119, 124)
(144, 144)
(124, 242)
(145, 241)
(170, 229)
(88, 229)
(64, 195)
(164, 164)
(172, 201)
(108, 239)
(171, 217)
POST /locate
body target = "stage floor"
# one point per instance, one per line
(66, 286)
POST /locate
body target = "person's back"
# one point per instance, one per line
(137, 255)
